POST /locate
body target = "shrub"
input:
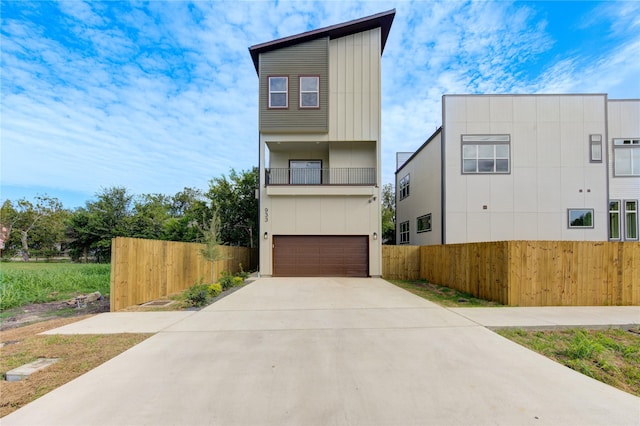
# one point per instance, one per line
(237, 281)
(226, 280)
(242, 273)
(197, 295)
(214, 289)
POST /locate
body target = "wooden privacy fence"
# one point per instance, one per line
(144, 270)
(528, 273)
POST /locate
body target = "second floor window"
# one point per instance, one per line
(278, 92)
(626, 154)
(310, 92)
(404, 187)
(485, 154)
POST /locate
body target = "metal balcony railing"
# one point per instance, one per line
(311, 176)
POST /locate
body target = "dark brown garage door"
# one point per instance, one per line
(320, 256)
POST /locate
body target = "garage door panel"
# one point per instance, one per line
(296, 255)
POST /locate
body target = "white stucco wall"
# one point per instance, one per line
(424, 171)
(550, 168)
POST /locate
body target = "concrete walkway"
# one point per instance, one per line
(329, 351)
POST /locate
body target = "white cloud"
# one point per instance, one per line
(163, 95)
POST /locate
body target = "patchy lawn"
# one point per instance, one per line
(77, 353)
(611, 356)
(441, 295)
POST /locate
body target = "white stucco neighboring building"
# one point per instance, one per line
(524, 167)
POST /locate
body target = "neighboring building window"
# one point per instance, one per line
(310, 92)
(614, 220)
(626, 154)
(485, 154)
(404, 232)
(580, 218)
(424, 223)
(305, 172)
(631, 220)
(595, 145)
(404, 187)
(278, 92)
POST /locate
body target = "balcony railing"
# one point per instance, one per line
(310, 176)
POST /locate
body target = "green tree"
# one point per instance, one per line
(94, 226)
(189, 216)
(388, 214)
(34, 226)
(235, 202)
(151, 213)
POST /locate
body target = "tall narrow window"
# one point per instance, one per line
(614, 220)
(310, 92)
(404, 187)
(278, 92)
(404, 232)
(631, 220)
(485, 154)
(626, 157)
(595, 143)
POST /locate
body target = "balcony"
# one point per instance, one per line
(365, 176)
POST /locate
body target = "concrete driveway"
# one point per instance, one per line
(329, 351)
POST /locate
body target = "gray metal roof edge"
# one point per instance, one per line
(382, 20)
(432, 137)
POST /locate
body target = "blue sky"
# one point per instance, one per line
(158, 96)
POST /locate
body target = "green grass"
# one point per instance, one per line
(441, 295)
(611, 356)
(25, 283)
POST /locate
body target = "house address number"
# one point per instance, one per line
(266, 214)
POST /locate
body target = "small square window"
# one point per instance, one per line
(580, 218)
(424, 223)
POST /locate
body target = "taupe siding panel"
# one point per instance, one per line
(311, 58)
(355, 87)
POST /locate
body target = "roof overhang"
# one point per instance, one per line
(382, 20)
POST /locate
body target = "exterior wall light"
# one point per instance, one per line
(265, 236)
(375, 235)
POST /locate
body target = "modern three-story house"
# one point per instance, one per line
(320, 154)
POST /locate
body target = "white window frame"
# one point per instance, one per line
(404, 232)
(405, 186)
(613, 212)
(633, 223)
(575, 210)
(425, 220)
(307, 92)
(471, 148)
(274, 92)
(630, 146)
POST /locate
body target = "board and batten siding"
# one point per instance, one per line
(354, 87)
(304, 59)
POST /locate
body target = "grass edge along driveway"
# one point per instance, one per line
(611, 356)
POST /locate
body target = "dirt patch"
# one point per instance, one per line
(77, 353)
(37, 312)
